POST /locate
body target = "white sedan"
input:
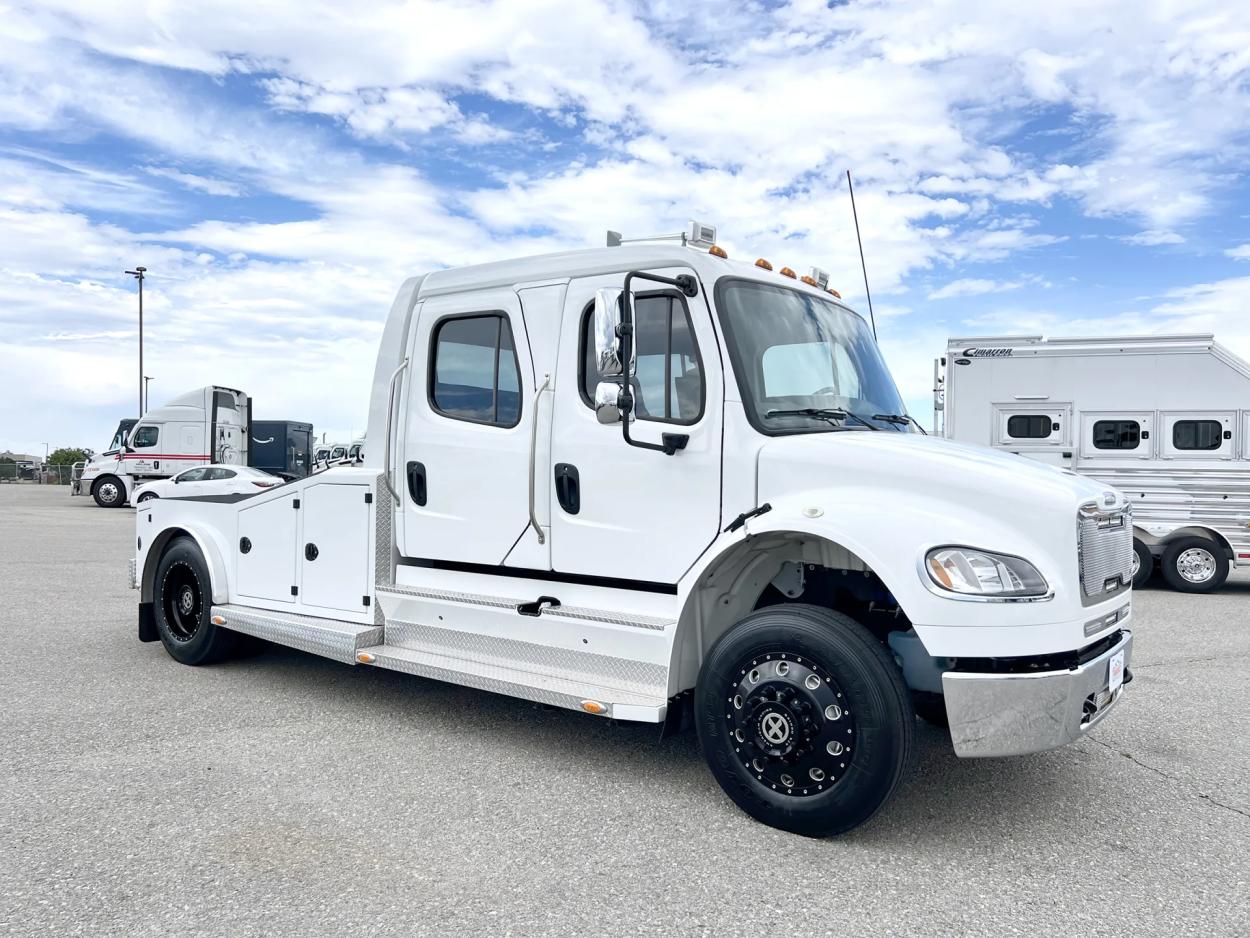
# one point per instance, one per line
(208, 480)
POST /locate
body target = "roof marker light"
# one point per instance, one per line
(717, 251)
(810, 281)
(835, 293)
(760, 262)
(787, 272)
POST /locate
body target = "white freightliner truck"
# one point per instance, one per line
(1163, 418)
(207, 425)
(744, 534)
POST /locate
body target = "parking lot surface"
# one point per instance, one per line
(286, 794)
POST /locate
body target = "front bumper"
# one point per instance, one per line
(1013, 714)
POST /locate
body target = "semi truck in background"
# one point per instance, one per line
(284, 448)
(649, 483)
(207, 425)
(1163, 418)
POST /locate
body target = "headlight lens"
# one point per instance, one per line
(981, 573)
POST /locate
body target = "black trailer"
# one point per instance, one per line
(282, 447)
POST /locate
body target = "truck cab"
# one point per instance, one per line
(653, 483)
(200, 427)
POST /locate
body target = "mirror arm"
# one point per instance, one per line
(688, 285)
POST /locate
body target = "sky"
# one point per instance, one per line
(1065, 168)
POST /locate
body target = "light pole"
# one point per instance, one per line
(138, 273)
(146, 397)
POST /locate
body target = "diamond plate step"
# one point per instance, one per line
(330, 638)
(555, 690)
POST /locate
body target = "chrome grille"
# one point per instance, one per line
(1105, 550)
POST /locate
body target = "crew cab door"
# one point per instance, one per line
(463, 462)
(616, 510)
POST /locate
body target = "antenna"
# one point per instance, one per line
(864, 267)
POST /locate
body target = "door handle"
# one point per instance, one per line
(416, 482)
(568, 487)
(538, 530)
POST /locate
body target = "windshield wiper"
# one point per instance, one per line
(900, 420)
(829, 414)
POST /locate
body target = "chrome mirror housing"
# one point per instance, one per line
(607, 342)
(606, 410)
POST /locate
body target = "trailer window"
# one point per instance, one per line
(1197, 434)
(668, 375)
(1028, 426)
(1116, 434)
(475, 374)
(146, 436)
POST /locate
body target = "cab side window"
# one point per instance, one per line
(475, 375)
(668, 377)
(146, 437)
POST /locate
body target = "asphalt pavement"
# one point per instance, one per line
(283, 794)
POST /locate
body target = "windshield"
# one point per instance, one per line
(797, 352)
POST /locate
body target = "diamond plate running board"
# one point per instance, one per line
(547, 689)
(330, 638)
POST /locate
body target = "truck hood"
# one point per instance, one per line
(972, 477)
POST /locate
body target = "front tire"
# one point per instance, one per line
(146, 497)
(109, 492)
(182, 599)
(1195, 565)
(804, 719)
(1143, 564)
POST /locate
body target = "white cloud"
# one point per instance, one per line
(205, 184)
(972, 286)
(1239, 253)
(1153, 237)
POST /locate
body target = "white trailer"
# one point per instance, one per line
(1165, 419)
(744, 535)
(204, 426)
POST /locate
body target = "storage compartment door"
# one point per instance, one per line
(268, 536)
(334, 549)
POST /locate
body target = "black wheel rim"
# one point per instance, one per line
(182, 601)
(789, 723)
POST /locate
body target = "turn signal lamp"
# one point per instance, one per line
(787, 272)
(760, 262)
(717, 251)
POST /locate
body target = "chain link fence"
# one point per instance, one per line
(31, 474)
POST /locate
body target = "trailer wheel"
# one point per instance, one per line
(1143, 564)
(804, 719)
(108, 492)
(1195, 565)
(182, 599)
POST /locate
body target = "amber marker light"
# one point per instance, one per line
(810, 281)
(593, 706)
(787, 272)
(835, 293)
(365, 658)
(717, 251)
(760, 262)
(219, 620)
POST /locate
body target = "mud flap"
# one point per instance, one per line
(147, 623)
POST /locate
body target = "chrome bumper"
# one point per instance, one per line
(1012, 714)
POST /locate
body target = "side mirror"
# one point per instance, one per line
(606, 409)
(607, 342)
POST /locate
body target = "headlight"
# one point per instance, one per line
(972, 572)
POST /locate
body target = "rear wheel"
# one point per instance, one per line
(182, 600)
(108, 492)
(804, 719)
(1143, 564)
(1195, 565)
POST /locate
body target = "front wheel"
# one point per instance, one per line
(146, 497)
(182, 599)
(108, 492)
(804, 719)
(1195, 565)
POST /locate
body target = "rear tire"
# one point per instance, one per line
(1144, 564)
(182, 600)
(804, 719)
(109, 492)
(1195, 565)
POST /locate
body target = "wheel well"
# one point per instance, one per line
(774, 568)
(147, 581)
(1158, 545)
